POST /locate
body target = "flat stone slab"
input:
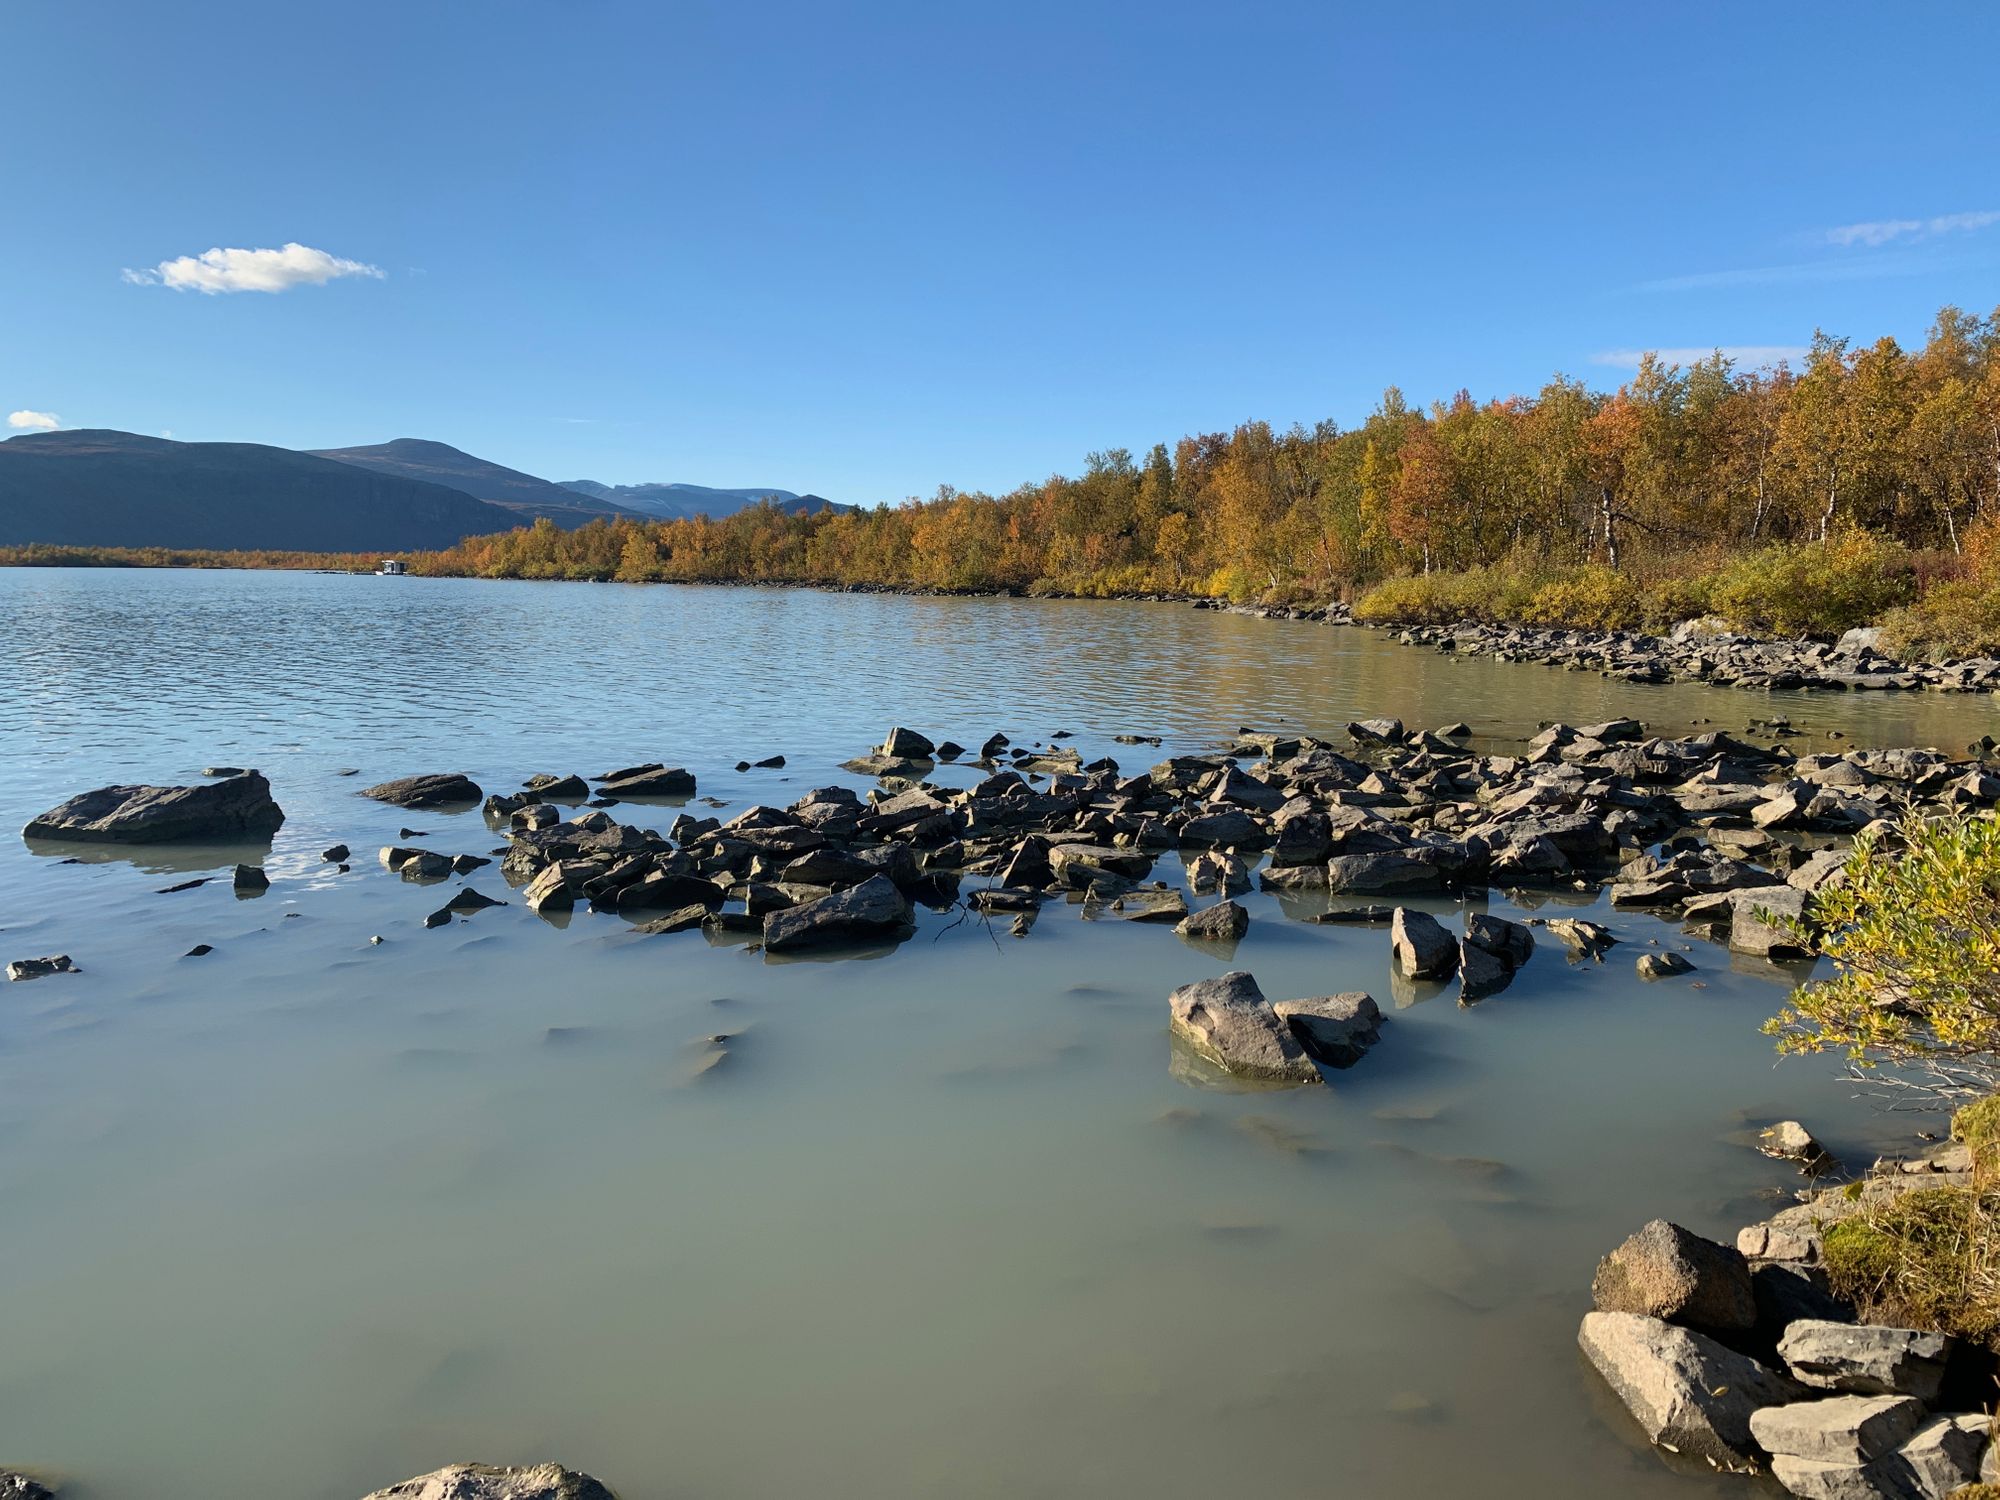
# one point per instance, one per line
(239, 807)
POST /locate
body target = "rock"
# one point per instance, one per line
(20, 1487)
(559, 788)
(468, 900)
(1225, 920)
(1787, 1292)
(1788, 1140)
(1333, 1029)
(1861, 639)
(1588, 939)
(1376, 732)
(1509, 942)
(1931, 1464)
(1666, 1272)
(250, 880)
(40, 968)
(199, 950)
(650, 780)
(1422, 949)
(1387, 870)
(1842, 1430)
(1866, 1359)
(873, 909)
(907, 744)
(235, 809)
(1229, 1022)
(1481, 973)
(479, 1482)
(335, 855)
(441, 789)
(1687, 1392)
(555, 886)
(1662, 965)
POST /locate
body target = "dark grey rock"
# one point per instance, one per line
(237, 808)
(439, 789)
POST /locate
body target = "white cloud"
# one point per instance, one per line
(33, 421)
(1881, 231)
(220, 270)
(1753, 355)
(166, 432)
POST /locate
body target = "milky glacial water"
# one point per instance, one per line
(308, 1215)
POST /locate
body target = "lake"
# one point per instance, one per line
(310, 1214)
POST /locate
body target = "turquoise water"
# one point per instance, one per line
(310, 1214)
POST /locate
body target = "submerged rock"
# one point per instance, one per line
(1229, 1022)
(439, 789)
(250, 880)
(1662, 965)
(40, 968)
(481, 1482)
(237, 808)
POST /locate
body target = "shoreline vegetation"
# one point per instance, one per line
(1861, 489)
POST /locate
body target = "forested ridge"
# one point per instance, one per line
(1569, 506)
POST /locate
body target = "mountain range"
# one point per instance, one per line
(670, 502)
(101, 488)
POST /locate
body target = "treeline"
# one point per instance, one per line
(1679, 474)
(1678, 466)
(51, 555)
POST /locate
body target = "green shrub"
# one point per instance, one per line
(1920, 930)
(1923, 1259)
(1586, 598)
(1953, 619)
(1818, 588)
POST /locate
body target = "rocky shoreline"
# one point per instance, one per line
(1707, 651)
(1744, 1359)
(1727, 834)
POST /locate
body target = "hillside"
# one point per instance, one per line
(440, 463)
(101, 488)
(683, 502)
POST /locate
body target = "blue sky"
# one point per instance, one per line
(865, 249)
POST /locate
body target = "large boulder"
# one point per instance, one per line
(480, 1482)
(1686, 1391)
(444, 789)
(1866, 1359)
(1666, 1272)
(1421, 947)
(20, 1487)
(873, 909)
(1229, 1022)
(239, 807)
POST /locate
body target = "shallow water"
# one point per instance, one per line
(307, 1215)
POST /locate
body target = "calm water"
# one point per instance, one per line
(307, 1215)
